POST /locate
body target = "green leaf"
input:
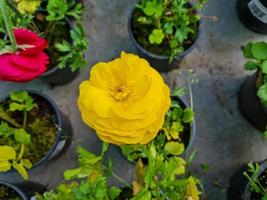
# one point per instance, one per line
(265, 134)
(144, 194)
(71, 173)
(153, 8)
(7, 153)
(188, 115)
(22, 136)
(63, 47)
(259, 50)
(174, 148)
(251, 65)
(178, 92)
(27, 163)
(19, 96)
(264, 67)
(56, 10)
(156, 37)
(104, 148)
(247, 51)
(262, 93)
(113, 192)
(21, 170)
(16, 107)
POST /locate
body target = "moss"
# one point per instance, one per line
(41, 125)
(8, 193)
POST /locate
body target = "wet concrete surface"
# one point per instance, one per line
(224, 139)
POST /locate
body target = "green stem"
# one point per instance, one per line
(13, 7)
(8, 119)
(190, 90)
(24, 119)
(8, 24)
(22, 148)
(119, 178)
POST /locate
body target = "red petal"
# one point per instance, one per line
(26, 37)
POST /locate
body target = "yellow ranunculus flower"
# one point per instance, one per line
(124, 100)
(28, 6)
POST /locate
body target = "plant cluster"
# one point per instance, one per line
(166, 27)
(253, 175)
(157, 180)
(12, 156)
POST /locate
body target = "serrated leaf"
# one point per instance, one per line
(178, 91)
(174, 148)
(188, 115)
(71, 173)
(113, 192)
(16, 107)
(251, 65)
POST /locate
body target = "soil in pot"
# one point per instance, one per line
(7, 193)
(141, 33)
(53, 32)
(41, 125)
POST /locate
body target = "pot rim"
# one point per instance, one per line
(157, 56)
(16, 189)
(58, 119)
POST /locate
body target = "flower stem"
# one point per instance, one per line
(119, 179)
(8, 119)
(8, 24)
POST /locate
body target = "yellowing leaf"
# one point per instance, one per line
(28, 6)
(191, 189)
(136, 187)
(174, 148)
(21, 170)
(7, 153)
(5, 166)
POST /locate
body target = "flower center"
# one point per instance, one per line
(120, 92)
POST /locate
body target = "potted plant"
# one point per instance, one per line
(249, 182)
(11, 192)
(163, 32)
(253, 92)
(32, 131)
(59, 22)
(253, 14)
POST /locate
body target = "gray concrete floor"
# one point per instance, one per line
(224, 139)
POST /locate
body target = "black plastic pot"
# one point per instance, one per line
(63, 135)
(56, 76)
(239, 185)
(249, 12)
(250, 105)
(159, 62)
(20, 193)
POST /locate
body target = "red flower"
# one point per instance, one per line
(25, 64)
